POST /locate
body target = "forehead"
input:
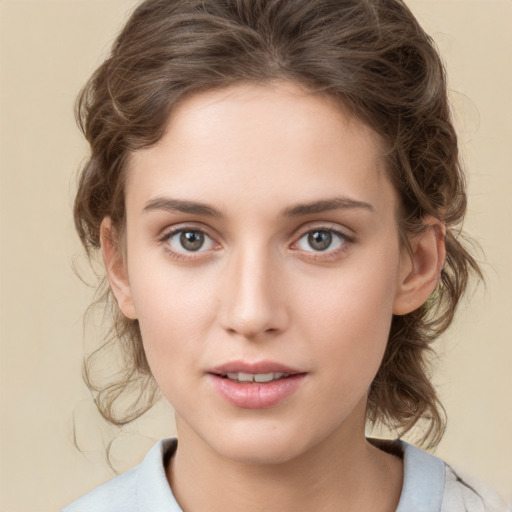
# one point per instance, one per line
(275, 142)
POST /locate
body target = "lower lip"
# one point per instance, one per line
(255, 395)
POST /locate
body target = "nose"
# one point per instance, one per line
(252, 301)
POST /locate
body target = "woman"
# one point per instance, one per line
(276, 192)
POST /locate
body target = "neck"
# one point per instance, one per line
(334, 476)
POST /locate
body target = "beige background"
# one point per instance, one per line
(47, 50)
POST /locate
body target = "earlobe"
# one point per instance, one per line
(115, 266)
(421, 267)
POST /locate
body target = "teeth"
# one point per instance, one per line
(255, 377)
(265, 377)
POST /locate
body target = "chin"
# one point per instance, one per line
(261, 446)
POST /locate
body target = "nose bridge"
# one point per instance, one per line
(251, 302)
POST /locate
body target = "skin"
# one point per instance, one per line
(258, 290)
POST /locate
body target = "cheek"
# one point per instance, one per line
(357, 296)
(349, 318)
(175, 309)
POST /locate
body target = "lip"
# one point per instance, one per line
(256, 367)
(254, 395)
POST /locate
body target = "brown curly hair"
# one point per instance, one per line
(375, 58)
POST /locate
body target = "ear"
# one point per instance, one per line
(421, 267)
(115, 266)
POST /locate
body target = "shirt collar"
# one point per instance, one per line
(422, 490)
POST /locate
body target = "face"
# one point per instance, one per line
(263, 264)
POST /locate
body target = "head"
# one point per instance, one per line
(370, 61)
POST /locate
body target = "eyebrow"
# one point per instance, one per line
(180, 205)
(198, 208)
(325, 205)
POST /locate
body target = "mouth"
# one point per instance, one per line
(260, 372)
(256, 386)
(259, 378)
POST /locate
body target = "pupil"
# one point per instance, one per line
(320, 240)
(191, 240)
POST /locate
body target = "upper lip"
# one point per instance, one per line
(253, 368)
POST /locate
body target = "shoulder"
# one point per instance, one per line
(142, 489)
(465, 493)
(431, 485)
(116, 495)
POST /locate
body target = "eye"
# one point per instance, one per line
(321, 240)
(189, 240)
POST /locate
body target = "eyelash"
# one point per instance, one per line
(328, 254)
(323, 255)
(185, 255)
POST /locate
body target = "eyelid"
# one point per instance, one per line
(335, 229)
(173, 230)
(345, 234)
(335, 238)
(182, 226)
(332, 227)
